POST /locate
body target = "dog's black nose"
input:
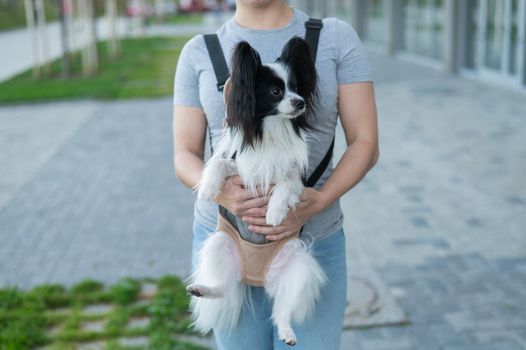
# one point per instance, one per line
(299, 104)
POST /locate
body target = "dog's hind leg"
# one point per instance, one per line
(217, 288)
(218, 266)
(293, 280)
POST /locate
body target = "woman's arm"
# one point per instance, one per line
(357, 109)
(189, 132)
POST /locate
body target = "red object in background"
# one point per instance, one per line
(137, 8)
(193, 6)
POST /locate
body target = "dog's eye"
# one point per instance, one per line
(275, 92)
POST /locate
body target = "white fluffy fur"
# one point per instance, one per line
(218, 277)
(294, 278)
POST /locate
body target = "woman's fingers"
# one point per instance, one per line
(261, 221)
(267, 230)
(278, 237)
(253, 212)
(254, 203)
(257, 212)
(236, 180)
(273, 233)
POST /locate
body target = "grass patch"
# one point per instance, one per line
(185, 18)
(145, 69)
(54, 316)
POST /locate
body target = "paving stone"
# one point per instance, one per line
(97, 309)
(93, 326)
(148, 290)
(385, 344)
(508, 344)
(138, 322)
(53, 331)
(419, 221)
(446, 336)
(97, 345)
(141, 302)
(133, 341)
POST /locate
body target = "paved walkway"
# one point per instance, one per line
(442, 217)
(91, 193)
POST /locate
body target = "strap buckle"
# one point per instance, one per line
(314, 24)
(220, 86)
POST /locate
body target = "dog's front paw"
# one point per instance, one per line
(286, 334)
(276, 215)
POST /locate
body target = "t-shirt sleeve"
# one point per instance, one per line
(353, 64)
(186, 81)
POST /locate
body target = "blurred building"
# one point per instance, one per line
(484, 39)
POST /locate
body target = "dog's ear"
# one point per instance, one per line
(241, 99)
(297, 55)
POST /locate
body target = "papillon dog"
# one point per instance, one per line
(268, 112)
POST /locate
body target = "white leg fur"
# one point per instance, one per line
(294, 280)
(214, 174)
(218, 279)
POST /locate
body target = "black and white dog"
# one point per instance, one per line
(268, 108)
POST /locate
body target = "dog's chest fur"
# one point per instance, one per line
(281, 155)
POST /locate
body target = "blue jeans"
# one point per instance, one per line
(255, 330)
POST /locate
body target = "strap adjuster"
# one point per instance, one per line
(314, 24)
(220, 86)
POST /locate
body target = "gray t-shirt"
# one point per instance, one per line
(341, 59)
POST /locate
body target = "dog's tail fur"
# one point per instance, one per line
(219, 267)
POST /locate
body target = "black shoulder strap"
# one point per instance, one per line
(320, 169)
(312, 34)
(218, 59)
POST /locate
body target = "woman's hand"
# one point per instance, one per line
(239, 201)
(312, 202)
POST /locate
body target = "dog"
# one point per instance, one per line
(268, 112)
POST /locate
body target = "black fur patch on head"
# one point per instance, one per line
(265, 102)
(304, 78)
(241, 103)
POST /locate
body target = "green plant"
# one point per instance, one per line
(10, 298)
(50, 295)
(124, 291)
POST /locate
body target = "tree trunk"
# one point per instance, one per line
(42, 30)
(111, 14)
(66, 71)
(30, 18)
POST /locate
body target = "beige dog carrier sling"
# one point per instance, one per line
(255, 258)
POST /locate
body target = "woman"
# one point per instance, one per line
(346, 89)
